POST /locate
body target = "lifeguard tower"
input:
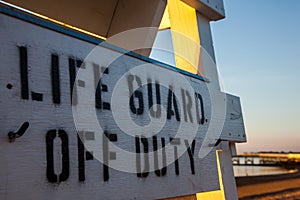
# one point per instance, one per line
(114, 99)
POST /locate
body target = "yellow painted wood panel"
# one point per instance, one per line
(185, 35)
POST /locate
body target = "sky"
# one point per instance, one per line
(257, 49)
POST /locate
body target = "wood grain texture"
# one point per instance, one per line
(24, 162)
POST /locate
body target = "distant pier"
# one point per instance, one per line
(287, 160)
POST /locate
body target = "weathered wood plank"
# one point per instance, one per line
(51, 161)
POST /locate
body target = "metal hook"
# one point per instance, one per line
(13, 135)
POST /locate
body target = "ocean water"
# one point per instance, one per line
(259, 170)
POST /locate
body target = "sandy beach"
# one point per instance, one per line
(284, 186)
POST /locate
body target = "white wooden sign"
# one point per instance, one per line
(134, 131)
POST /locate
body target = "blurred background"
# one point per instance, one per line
(257, 49)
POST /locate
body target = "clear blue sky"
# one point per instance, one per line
(257, 48)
